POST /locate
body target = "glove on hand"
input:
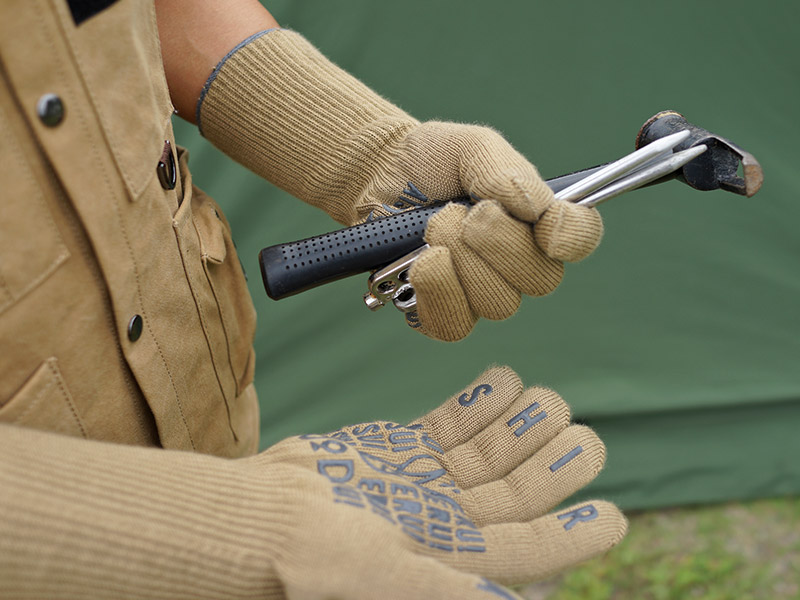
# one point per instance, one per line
(282, 109)
(435, 509)
(482, 259)
(440, 507)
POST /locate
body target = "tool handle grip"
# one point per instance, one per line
(289, 269)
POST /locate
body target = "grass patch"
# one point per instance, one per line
(741, 551)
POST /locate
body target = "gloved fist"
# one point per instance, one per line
(481, 259)
(442, 507)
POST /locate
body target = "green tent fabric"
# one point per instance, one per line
(677, 340)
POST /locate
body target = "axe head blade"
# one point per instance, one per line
(718, 167)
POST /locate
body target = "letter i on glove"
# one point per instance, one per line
(453, 505)
(278, 106)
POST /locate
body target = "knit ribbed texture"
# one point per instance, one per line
(507, 244)
(283, 110)
(488, 293)
(83, 519)
(485, 260)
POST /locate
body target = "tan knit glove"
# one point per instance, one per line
(444, 506)
(282, 109)
(439, 508)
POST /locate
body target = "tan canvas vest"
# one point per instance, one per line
(124, 315)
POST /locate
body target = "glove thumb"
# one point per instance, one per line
(568, 232)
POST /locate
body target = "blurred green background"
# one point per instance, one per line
(677, 340)
(732, 551)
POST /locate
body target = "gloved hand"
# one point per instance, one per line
(483, 258)
(283, 110)
(441, 508)
(445, 506)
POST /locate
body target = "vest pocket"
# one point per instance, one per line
(44, 402)
(226, 279)
(31, 247)
(219, 286)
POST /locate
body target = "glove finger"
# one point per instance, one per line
(489, 295)
(565, 465)
(443, 311)
(523, 552)
(492, 168)
(470, 410)
(507, 244)
(535, 417)
(569, 232)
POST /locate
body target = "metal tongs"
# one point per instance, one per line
(652, 162)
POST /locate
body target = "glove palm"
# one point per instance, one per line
(435, 507)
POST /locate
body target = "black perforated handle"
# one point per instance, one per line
(289, 269)
(292, 268)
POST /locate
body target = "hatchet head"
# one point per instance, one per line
(718, 167)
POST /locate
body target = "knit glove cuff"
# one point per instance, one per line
(276, 105)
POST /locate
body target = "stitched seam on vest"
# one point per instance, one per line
(33, 403)
(63, 253)
(67, 397)
(201, 314)
(115, 206)
(122, 166)
(224, 328)
(84, 248)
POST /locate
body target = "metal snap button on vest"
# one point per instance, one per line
(167, 174)
(135, 326)
(50, 109)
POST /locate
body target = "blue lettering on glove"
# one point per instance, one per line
(527, 418)
(566, 458)
(493, 588)
(403, 440)
(579, 515)
(324, 466)
(330, 446)
(431, 443)
(398, 488)
(466, 399)
(380, 506)
(347, 495)
(407, 506)
(430, 518)
(365, 429)
(372, 485)
(469, 535)
(438, 534)
(413, 527)
(427, 516)
(437, 514)
(407, 467)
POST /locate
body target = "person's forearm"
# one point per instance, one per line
(83, 519)
(196, 35)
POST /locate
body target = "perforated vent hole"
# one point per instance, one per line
(346, 245)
